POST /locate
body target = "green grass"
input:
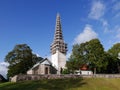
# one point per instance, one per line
(64, 84)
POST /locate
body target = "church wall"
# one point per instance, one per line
(55, 60)
(41, 69)
(53, 70)
(35, 70)
(61, 60)
(30, 71)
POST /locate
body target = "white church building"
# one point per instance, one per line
(58, 54)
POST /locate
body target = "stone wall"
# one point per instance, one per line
(19, 78)
(107, 75)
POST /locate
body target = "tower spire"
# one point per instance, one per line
(58, 29)
(58, 42)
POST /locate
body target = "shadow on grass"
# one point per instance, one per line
(51, 84)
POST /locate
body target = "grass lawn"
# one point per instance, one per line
(64, 84)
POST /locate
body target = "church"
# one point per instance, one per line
(58, 54)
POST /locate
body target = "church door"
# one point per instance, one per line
(46, 70)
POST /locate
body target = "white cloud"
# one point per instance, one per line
(104, 22)
(86, 35)
(97, 10)
(105, 25)
(3, 68)
(116, 9)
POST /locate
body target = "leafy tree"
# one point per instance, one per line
(114, 61)
(96, 55)
(36, 58)
(76, 59)
(112, 64)
(90, 53)
(115, 50)
(65, 71)
(20, 59)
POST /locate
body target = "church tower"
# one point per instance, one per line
(58, 47)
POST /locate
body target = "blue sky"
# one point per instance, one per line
(33, 22)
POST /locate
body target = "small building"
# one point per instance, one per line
(84, 70)
(42, 67)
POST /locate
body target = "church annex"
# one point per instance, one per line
(58, 54)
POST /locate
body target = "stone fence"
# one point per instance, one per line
(20, 77)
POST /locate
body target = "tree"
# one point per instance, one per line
(96, 55)
(114, 62)
(90, 53)
(36, 58)
(20, 59)
(76, 58)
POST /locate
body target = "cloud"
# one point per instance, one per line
(116, 6)
(105, 25)
(104, 22)
(3, 68)
(117, 15)
(118, 32)
(97, 10)
(97, 13)
(86, 35)
(113, 1)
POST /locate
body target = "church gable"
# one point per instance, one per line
(43, 62)
(46, 62)
(42, 67)
(36, 65)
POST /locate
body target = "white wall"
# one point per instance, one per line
(30, 71)
(58, 60)
(86, 72)
(54, 60)
(62, 60)
(81, 72)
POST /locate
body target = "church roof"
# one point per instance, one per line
(43, 61)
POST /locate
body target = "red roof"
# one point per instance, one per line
(84, 67)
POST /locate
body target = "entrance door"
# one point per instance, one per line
(46, 70)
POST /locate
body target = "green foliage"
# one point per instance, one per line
(114, 51)
(114, 61)
(96, 55)
(20, 59)
(65, 71)
(90, 53)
